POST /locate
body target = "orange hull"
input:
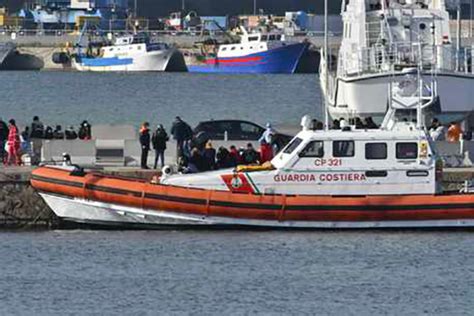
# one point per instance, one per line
(281, 208)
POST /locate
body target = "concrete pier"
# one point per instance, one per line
(20, 206)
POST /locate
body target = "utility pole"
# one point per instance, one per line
(254, 7)
(326, 59)
(135, 8)
(470, 20)
(458, 34)
(183, 6)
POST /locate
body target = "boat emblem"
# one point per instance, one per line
(236, 183)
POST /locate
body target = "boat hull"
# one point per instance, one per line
(368, 96)
(281, 60)
(162, 60)
(121, 202)
(104, 214)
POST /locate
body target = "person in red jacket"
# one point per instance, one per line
(13, 144)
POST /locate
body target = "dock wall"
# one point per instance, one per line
(20, 205)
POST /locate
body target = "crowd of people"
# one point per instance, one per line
(451, 133)
(14, 144)
(196, 153)
(357, 122)
(438, 132)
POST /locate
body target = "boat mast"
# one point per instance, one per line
(326, 63)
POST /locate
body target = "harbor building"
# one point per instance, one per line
(67, 14)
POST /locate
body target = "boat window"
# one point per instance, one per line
(292, 145)
(233, 48)
(253, 38)
(272, 37)
(314, 149)
(407, 150)
(264, 38)
(279, 37)
(376, 151)
(224, 49)
(417, 173)
(343, 148)
(376, 173)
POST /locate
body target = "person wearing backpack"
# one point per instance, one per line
(158, 140)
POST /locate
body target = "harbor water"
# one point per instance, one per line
(236, 273)
(130, 98)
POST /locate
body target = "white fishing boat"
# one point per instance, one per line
(128, 53)
(381, 40)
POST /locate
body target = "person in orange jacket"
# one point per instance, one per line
(454, 132)
(13, 144)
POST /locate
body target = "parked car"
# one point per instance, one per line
(237, 130)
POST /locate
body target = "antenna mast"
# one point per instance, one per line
(326, 62)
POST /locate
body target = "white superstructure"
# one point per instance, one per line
(381, 39)
(251, 43)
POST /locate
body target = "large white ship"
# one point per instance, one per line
(383, 39)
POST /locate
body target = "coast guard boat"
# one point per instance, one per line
(128, 53)
(255, 53)
(381, 39)
(346, 178)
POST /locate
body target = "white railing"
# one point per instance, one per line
(383, 58)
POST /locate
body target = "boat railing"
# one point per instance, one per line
(382, 58)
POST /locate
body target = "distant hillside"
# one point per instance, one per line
(154, 8)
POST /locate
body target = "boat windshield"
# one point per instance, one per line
(292, 145)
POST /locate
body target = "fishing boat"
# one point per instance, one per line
(383, 38)
(125, 53)
(255, 52)
(346, 178)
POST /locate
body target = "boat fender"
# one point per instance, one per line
(166, 171)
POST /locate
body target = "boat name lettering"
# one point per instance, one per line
(324, 177)
(332, 162)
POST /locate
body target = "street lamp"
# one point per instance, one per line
(254, 7)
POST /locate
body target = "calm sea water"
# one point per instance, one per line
(70, 97)
(236, 273)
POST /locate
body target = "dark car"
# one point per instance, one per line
(237, 130)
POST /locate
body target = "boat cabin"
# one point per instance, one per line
(251, 43)
(344, 162)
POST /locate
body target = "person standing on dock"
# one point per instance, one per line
(145, 140)
(266, 141)
(159, 139)
(36, 136)
(182, 133)
(13, 144)
(3, 140)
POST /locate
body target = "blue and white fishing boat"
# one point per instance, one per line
(128, 53)
(254, 53)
